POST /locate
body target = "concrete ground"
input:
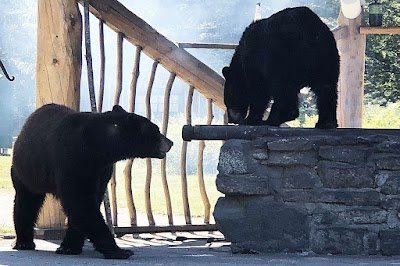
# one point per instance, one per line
(166, 249)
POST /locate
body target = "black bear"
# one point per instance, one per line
(71, 155)
(277, 57)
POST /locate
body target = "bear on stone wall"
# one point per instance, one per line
(71, 155)
(276, 58)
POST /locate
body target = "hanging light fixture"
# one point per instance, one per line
(375, 14)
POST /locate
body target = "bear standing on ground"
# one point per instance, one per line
(71, 155)
(276, 58)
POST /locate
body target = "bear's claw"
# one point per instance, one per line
(24, 246)
(118, 254)
(68, 250)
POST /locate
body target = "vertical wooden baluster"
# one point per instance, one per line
(92, 97)
(102, 67)
(163, 162)
(117, 96)
(200, 168)
(185, 196)
(129, 163)
(107, 207)
(88, 57)
(147, 187)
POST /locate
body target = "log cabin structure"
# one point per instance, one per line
(58, 78)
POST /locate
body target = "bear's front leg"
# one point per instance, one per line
(82, 209)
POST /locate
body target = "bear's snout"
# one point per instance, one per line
(165, 146)
(235, 117)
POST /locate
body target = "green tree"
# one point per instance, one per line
(382, 77)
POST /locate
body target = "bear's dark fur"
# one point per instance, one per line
(277, 57)
(71, 155)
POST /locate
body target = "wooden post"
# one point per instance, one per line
(58, 75)
(352, 67)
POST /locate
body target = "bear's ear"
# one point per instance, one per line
(226, 71)
(118, 109)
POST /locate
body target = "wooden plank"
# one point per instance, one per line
(58, 73)
(379, 30)
(120, 231)
(207, 45)
(158, 47)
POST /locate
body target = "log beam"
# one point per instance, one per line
(218, 132)
(58, 73)
(352, 68)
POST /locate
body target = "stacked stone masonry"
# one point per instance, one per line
(327, 194)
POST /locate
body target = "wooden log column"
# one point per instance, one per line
(352, 68)
(58, 75)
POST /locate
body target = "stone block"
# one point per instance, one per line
(338, 240)
(363, 215)
(292, 144)
(260, 154)
(345, 197)
(300, 177)
(346, 154)
(290, 158)
(346, 140)
(388, 181)
(243, 184)
(232, 159)
(389, 146)
(263, 225)
(344, 175)
(370, 243)
(329, 214)
(391, 202)
(390, 242)
(387, 162)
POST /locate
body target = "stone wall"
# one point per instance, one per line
(327, 194)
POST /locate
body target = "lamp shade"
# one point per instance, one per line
(351, 8)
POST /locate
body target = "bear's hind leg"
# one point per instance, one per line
(326, 104)
(72, 243)
(26, 210)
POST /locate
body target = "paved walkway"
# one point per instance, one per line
(164, 249)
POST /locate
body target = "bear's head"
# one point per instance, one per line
(236, 97)
(133, 136)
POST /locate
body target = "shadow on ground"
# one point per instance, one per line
(172, 249)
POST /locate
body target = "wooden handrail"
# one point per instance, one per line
(380, 30)
(208, 45)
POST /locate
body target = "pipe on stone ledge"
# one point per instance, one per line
(221, 132)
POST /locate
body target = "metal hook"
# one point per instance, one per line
(10, 78)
